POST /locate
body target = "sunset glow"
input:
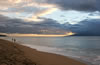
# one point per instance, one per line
(43, 35)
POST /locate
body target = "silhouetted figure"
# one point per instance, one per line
(14, 40)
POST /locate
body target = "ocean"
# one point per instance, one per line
(83, 48)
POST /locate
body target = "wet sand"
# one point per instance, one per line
(16, 54)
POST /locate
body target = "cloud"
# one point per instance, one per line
(9, 25)
(45, 12)
(26, 7)
(87, 28)
(9, 3)
(34, 9)
(38, 4)
(15, 1)
(38, 8)
(22, 6)
(80, 5)
(36, 16)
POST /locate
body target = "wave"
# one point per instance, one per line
(90, 60)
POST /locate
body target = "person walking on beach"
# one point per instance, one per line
(14, 40)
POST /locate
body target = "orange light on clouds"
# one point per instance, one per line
(70, 33)
(43, 35)
(41, 13)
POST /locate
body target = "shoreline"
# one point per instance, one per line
(44, 58)
(57, 53)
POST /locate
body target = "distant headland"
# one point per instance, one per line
(3, 35)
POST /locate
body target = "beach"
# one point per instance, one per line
(16, 54)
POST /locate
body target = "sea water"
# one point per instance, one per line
(84, 48)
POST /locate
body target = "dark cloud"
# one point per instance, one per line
(87, 28)
(81, 5)
(48, 26)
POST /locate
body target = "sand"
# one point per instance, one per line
(16, 54)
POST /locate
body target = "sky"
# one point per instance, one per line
(40, 11)
(61, 10)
